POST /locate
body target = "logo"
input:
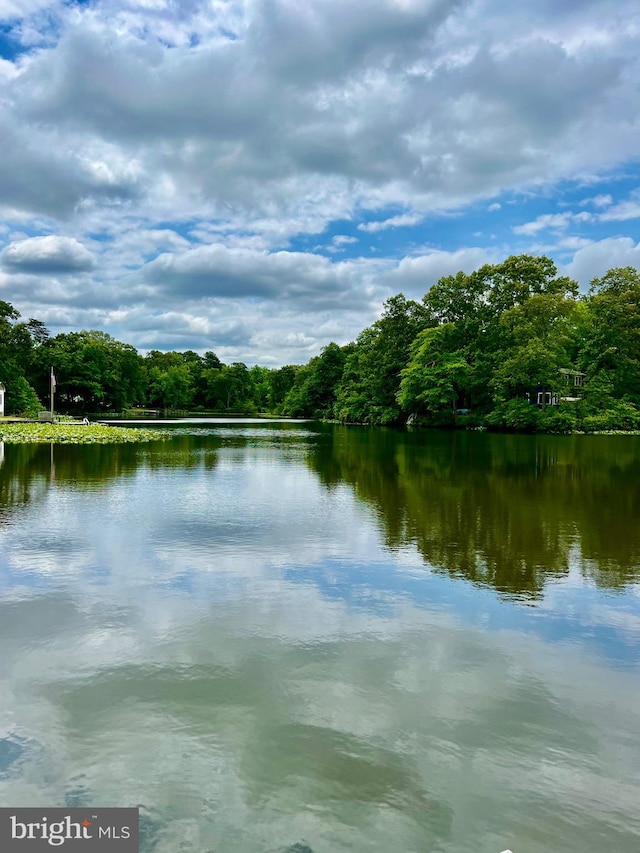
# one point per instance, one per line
(74, 830)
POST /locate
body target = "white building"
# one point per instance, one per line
(2, 390)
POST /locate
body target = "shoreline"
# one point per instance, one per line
(24, 431)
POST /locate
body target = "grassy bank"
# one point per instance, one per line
(75, 433)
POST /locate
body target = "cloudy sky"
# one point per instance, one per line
(255, 177)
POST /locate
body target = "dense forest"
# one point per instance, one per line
(509, 346)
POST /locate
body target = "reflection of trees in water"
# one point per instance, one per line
(499, 510)
(22, 478)
(29, 470)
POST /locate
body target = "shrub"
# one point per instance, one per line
(619, 415)
(560, 419)
(21, 399)
(517, 415)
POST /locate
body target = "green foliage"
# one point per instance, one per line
(617, 281)
(280, 383)
(510, 326)
(232, 388)
(371, 381)
(437, 374)
(598, 392)
(259, 388)
(514, 281)
(170, 387)
(93, 372)
(518, 415)
(313, 393)
(611, 351)
(536, 342)
(21, 399)
(558, 419)
(620, 415)
(18, 343)
(203, 373)
(483, 342)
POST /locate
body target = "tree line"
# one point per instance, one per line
(95, 373)
(479, 349)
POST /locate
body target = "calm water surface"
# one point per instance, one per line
(284, 638)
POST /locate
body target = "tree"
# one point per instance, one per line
(238, 386)
(93, 371)
(259, 387)
(509, 326)
(537, 340)
(461, 302)
(437, 374)
(170, 379)
(229, 387)
(18, 343)
(371, 380)
(611, 352)
(313, 393)
(281, 381)
(520, 277)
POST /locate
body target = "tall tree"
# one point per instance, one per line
(171, 381)
(93, 371)
(437, 376)
(281, 381)
(18, 343)
(372, 373)
(313, 393)
(611, 352)
(537, 340)
(505, 328)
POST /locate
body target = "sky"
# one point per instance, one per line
(256, 177)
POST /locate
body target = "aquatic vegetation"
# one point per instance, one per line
(76, 433)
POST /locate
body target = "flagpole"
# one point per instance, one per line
(53, 385)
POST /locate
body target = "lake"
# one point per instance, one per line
(304, 638)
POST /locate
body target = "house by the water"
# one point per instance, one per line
(568, 390)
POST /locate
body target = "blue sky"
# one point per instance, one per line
(256, 177)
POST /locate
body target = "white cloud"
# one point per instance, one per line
(400, 221)
(377, 102)
(621, 212)
(558, 221)
(340, 241)
(415, 275)
(602, 200)
(217, 271)
(17, 9)
(139, 129)
(49, 254)
(555, 222)
(574, 242)
(595, 259)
